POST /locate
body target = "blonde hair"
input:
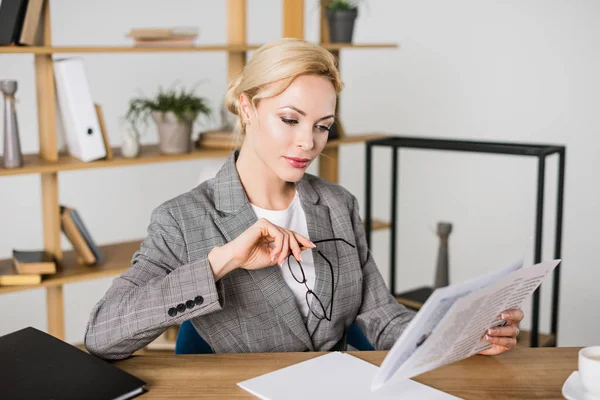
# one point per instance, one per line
(279, 61)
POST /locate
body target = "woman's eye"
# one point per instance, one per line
(289, 121)
(323, 128)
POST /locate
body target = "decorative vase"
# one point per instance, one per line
(174, 136)
(442, 272)
(131, 144)
(13, 158)
(341, 25)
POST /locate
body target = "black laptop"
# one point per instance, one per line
(35, 365)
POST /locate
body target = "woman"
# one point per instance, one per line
(263, 257)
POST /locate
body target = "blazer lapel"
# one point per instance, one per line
(231, 199)
(319, 227)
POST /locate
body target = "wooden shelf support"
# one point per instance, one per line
(293, 19)
(236, 36)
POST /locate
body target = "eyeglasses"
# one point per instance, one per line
(297, 272)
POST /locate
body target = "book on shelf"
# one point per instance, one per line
(164, 43)
(163, 32)
(75, 230)
(9, 276)
(12, 17)
(33, 262)
(100, 115)
(216, 139)
(31, 32)
(20, 22)
(163, 37)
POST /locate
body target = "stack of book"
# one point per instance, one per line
(20, 22)
(27, 267)
(163, 37)
(216, 140)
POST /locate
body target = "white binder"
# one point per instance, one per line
(77, 110)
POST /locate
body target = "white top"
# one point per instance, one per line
(293, 218)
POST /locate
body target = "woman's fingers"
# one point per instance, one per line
(506, 331)
(506, 342)
(285, 248)
(274, 235)
(295, 247)
(512, 315)
(304, 242)
(285, 242)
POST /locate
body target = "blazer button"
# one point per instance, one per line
(190, 304)
(199, 300)
(172, 312)
(181, 307)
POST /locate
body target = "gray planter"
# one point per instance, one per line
(174, 136)
(341, 25)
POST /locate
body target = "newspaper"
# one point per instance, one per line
(452, 323)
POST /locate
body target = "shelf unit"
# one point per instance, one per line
(48, 163)
(36, 164)
(539, 151)
(130, 49)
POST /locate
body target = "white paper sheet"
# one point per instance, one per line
(334, 376)
(429, 316)
(452, 323)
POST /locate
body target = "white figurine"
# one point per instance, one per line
(131, 144)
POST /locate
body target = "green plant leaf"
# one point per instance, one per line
(184, 104)
(341, 5)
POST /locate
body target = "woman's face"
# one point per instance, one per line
(290, 130)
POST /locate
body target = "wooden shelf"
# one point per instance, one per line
(377, 225)
(118, 259)
(205, 48)
(544, 339)
(35, 164)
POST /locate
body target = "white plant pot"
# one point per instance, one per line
(174, 136)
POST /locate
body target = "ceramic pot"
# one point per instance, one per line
(341, 25)
(174, 136)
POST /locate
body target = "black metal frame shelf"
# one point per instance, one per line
(541, 151)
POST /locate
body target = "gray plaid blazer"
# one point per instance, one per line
(170, 280)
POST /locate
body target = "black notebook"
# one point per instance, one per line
(35, 365)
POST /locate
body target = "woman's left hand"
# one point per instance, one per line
(504, 338)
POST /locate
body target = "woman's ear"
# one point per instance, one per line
(245, 108)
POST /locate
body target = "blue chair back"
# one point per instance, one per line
(190, 342)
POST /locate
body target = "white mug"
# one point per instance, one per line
(589, 369)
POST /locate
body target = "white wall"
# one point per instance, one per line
(516, 71)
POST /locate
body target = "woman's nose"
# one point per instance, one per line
(305, 141)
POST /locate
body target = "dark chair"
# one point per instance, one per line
(190, 342)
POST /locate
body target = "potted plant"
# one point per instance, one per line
(174, 113)
(341, 15)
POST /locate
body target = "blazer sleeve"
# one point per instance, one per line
(160, 289)
(381, 318)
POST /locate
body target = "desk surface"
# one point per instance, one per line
(522, 373)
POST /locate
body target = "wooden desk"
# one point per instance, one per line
(524, 373)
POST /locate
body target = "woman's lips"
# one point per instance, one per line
(297, 162)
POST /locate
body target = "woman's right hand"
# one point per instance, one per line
(261, 245)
